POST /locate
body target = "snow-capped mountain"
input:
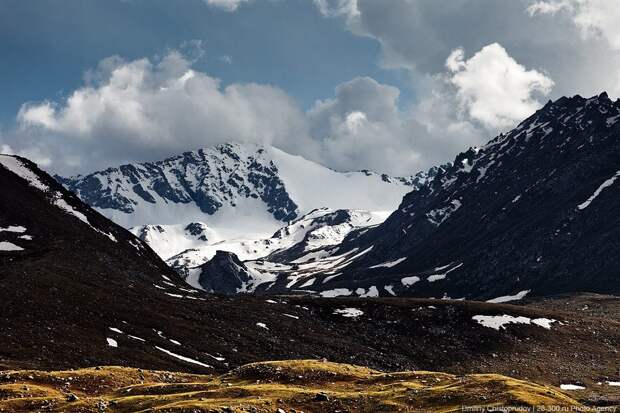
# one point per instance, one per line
(242, 190)
(77, 290)
(320, 228)
(195, 243)
(169, 240)
(535, 211)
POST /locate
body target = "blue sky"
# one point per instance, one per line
(396, 86)
(51, 43)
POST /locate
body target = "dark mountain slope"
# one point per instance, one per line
(536, 209)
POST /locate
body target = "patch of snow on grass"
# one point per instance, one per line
(389, 264)
(308, 283)
(262, 325)
(498, 322)
(389, 289)
(507, 298)
(349, 312)
(441, 276)
(136, 338)
(571, 387)
(186, 359)
(598, 191)
(543, 322)
(336, 292)
(439, 215)
(9, 246)
(13, 228)
(116, 330)
(409, 281)
(331, 277)
(372, 292)
(111, 342)
(216, 357)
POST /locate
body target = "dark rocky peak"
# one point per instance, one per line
(196, 228)
(502, 208)
(224, 274)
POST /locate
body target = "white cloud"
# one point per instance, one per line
(226, 5)
(415, 37)
(493, 88)
(355, 120)
(363, 126)
(147, 109)
(6, 150)
(593, 17)
(33, 153)
(337, 8)
(549, 7)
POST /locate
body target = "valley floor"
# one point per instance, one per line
(284, 386)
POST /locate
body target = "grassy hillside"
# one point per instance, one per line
(282, 386)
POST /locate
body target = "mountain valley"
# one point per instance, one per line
(332, 283)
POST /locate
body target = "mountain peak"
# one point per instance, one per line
(231, 181)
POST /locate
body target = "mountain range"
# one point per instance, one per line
(77, 290)
(526, 216)
(531, 212)
(231, 197)
(254, 186)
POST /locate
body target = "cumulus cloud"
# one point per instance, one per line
(416, 36)
(364, 125)
(226, 5)
(493, 88)
(462, 101)
(465, 105)
(593, 17)
(149, 109)
(145, 109)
